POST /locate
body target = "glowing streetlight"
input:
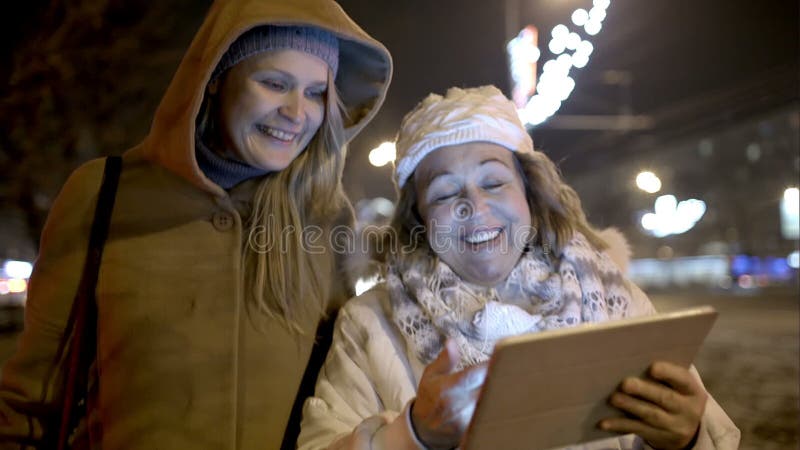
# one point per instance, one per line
(791, 196)
(793, 260)
(579, 17)
(592, 27)
(17, 285)
(649, 221)
(573, 40)
(382, 155)
(648, 182)
(585, 48)
(555, 85)
(18, 269)
(790, 213)
(557, 46)
(673, 217)
(560, 31)
(597, 14)
(580, 61)
(601, 3)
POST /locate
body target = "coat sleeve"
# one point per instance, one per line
(29, 386)
(717, 430)
(364, 388)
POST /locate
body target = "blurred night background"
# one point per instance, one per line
(702, 95)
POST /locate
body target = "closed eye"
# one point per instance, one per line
(274, 85)
(494, 185)
(315, 93)
(444, 197)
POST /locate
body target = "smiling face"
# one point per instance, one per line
(471, 198)
(271, 105)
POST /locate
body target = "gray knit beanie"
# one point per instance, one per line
(312, 40)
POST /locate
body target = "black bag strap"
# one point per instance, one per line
(324, 338)
(83, 316)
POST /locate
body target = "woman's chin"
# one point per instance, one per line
(272, 161)
(484, 268)
(488, 278)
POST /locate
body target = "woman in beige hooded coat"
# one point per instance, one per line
(208, 296)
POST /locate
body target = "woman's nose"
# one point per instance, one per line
(476, 203)
(292, 107)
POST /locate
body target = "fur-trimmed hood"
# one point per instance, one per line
(365, 71)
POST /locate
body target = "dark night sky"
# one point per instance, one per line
(679, 52)
(675, 48)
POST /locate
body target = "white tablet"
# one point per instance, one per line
(550, 389)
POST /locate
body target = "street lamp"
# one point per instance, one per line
(382, 154)
(555, 85)
(648, 182)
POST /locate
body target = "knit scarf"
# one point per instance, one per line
(225, 172)
(431, 303)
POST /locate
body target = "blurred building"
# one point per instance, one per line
(740, 169)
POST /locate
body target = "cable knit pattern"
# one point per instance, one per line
(460, 116)
(586, 286)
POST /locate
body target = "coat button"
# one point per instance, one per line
(223, 221)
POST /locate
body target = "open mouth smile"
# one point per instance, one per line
(283, 136)
(479, 237)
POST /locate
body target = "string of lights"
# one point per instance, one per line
(555, 84)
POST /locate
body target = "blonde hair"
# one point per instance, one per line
(556, 211)
(288, 281)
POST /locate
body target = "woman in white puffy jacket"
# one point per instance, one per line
(487, 242)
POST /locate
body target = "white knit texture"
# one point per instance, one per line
(481, 114)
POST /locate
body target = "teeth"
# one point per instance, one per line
(482, 236)
(278, 134)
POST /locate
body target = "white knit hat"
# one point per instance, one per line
(461, 116)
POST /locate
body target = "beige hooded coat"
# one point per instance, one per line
(180, 363)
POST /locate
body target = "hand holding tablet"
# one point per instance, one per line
(446, 399)
(664, 409)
